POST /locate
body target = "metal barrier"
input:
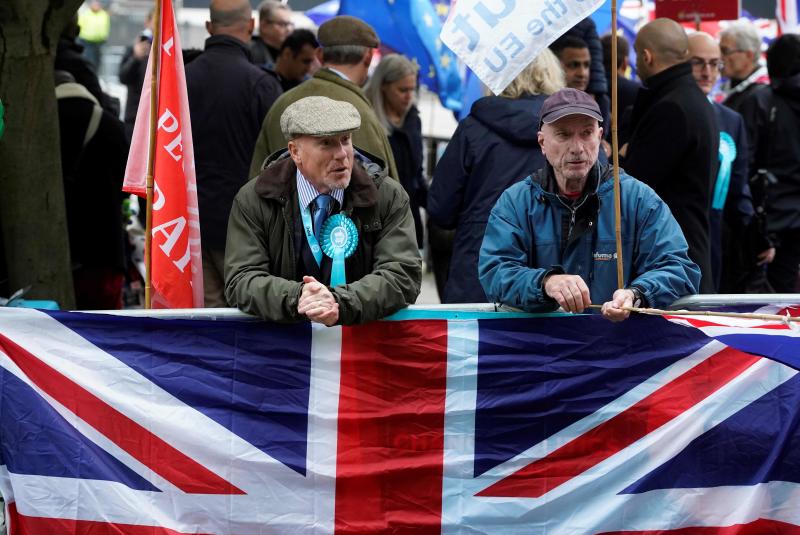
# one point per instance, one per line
(727, 300)
(473, 310)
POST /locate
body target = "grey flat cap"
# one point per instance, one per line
(319, 116)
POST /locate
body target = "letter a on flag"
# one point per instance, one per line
(176, 267)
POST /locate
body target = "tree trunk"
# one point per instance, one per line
(32, 211)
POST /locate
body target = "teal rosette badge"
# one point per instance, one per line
(727, 155)
(339, 241)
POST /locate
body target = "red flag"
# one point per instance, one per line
(176, 268)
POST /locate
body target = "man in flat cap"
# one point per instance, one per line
(322, 233)
(550, 239)
(346, 46)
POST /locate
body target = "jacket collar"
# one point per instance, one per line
(547, 180)
(329, 76)
(278, 180)
(668, 76)
(228, 44)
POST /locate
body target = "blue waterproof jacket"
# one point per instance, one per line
(532, 232)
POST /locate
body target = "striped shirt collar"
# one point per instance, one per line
(307, 192)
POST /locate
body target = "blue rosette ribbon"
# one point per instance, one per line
(727, 155)
(339, 238)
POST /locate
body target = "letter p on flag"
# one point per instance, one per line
(486, 34)
(176, 264)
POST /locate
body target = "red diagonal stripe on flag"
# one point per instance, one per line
(619, 432)
(758, 527)
(34, 525)
(147, 448)
(700, 323)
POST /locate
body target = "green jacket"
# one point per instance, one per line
(261, 269)
(371, 137)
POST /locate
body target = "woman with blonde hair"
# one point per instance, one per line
(391, 90)
(494, 147)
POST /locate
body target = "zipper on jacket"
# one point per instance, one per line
(573, 212)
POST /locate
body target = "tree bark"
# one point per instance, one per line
(32, 211)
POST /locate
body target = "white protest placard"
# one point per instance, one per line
(499, 38)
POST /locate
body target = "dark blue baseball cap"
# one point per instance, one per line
(568, 101)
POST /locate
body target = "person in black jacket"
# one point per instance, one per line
(627, 89)
(494, 147)
(132, 71)
(675, 141)
(93, 154)
(70, 58)
(228, 99)
(772, 114)
(391, 91)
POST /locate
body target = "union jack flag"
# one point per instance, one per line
(452, 424)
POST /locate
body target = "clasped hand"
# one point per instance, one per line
(572, 295)
(317, 303)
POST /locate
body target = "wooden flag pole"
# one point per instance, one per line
(740, 315)
(614, 146)
(155, 58)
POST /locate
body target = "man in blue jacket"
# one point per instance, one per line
(550, 238)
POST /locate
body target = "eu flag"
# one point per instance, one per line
(412, 27)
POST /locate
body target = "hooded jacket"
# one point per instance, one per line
(492, 148)
(775, 146)
(533, 232)
(263, 269)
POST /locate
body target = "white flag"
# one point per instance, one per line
(499, 38)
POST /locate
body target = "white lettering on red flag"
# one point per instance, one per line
(176, 269)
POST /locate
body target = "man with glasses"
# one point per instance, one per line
(274, 26)
(740, 46)
(739, 246)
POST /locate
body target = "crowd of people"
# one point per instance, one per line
(314, 199)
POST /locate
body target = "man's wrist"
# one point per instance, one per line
(638, 300)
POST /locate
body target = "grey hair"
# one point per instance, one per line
(343, 54)
(392, 68)
(230, 17)
(745, 36)
(267, 8)
(543, 76)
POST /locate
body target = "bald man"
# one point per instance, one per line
(674, 143)
(228, 99)
(740, 247)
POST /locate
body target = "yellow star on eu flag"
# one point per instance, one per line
(442, 9)
(444, 59)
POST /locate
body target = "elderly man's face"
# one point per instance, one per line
(571, 145)
(326, 162)
(277, 28)
(739, 64)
